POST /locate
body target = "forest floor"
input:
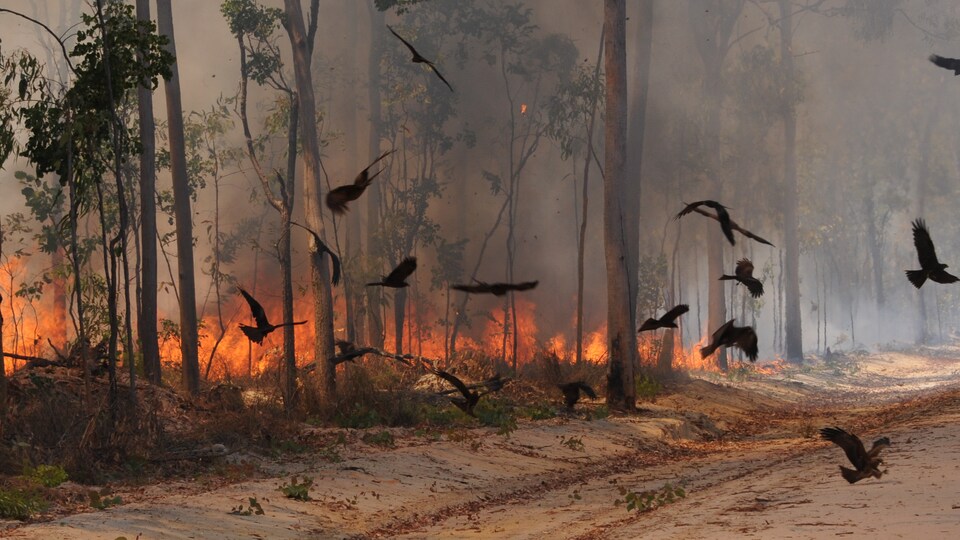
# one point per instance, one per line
(742, 447)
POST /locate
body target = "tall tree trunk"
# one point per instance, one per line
(352, 293)
(635, 140)
(582, 239)
(189, 340)
(300, 43)
(621, 334)
(375, 330)
(791, 239)
(147, 317)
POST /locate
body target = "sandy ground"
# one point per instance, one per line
(741, 449)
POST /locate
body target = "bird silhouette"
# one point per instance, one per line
(470, 397)
(742, 337)
(338, 197)
(952, 64)
(571, 392)
(419, 59)
(496, 289)
(397, 278)
(867, 463)
(744, 274)
(666, 321)
(323, 248)
(263, 327)
(722, 215)
(930, 267)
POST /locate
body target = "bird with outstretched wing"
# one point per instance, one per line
(419, 59)
(867, 464)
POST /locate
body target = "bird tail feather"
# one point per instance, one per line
(707, 351)
(849, 475)
(724, 277)
(917, 277)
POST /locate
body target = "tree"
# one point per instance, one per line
(301, 44)
(713, 29)
(184, 220)
(621, 333)
(791, 239)
(147, 314)
(260, 60)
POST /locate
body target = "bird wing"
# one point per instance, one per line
(746, 340)
(525, 286)
(689, 208)
(256, 309)
(402, 271)
(475, 289)
(749, 234)
(744, 268)
(437, 72)
(718, 337)
(649, 324)
(945, 63)
(924, 244)
(335, 279)
(405, 42)
(585, 388)
(677, 311)
(456, 382)
(337, 198)
(724, 219)
(363, 179)
(878, 445)
(754, 285)
(850, 443)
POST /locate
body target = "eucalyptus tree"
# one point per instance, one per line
(256, 29)
(78, 132)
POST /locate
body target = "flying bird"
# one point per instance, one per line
(419, 59)
(323, 248)
(496, 289)
(930, 267)
(397, 278)
(263, 327)
(470, 397)
(952, 64)
(742, 337)
(571, 392)
(722, 216)
(867, 463)
(668, 320)
(744, 274)
(338, 197)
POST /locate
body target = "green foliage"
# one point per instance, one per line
(498, 414)
(19, 504)
(297, 490)
(539, 411)
(600, 412)
(331, 450)
(381, 438)
(358, 417)
(253, 508)
(254, 26)
(651, 282)
(440, 416)
(47, 475)
(101, 500)
(645, 501)
(647, 387)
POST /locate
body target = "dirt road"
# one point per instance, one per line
(741, 452)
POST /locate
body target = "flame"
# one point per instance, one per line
(27, 323)
(523, 109)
